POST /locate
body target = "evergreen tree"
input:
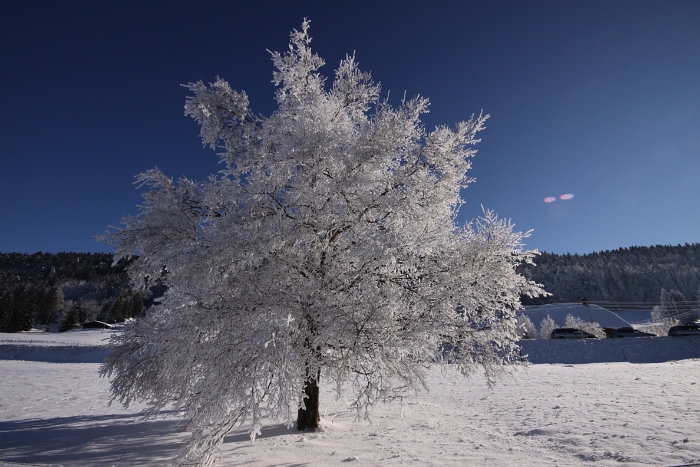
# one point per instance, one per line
(28, 313)
(137, 308)
(72, 319)
(117, 314)
(48, 303)
(17, 321)
(6, 309)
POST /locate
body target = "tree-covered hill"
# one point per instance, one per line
(45, 288)
(635, 274)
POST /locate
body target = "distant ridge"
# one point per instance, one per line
(635, 274)
(41, 289)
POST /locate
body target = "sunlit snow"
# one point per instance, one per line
(614, 413)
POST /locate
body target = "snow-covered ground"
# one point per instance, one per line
(77, 337)
(635, 316)
(616, 413)
(80, 346)
(634, 350)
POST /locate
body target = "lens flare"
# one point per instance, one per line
(566, 196)
(550, 199)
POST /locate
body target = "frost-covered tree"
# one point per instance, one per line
(659, 326)
(674, 306)
(585, 326)
(546, 327)
(526, 328)
(325, 250)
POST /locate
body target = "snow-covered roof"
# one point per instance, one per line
(559, 312)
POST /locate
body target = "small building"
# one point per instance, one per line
(96, 325)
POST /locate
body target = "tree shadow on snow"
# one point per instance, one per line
(90, 440)
(271, 431)
(633, 350)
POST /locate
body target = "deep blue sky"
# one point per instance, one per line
(600, 99)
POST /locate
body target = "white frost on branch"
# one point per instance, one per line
(327, 245)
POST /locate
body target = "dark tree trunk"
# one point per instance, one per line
(309, 417)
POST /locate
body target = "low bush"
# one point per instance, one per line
(585, 326)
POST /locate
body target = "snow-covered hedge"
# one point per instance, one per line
(585, 326)
(546, 327)
(660, 328)
(526, 329)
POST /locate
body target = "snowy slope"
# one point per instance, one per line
(83, 346)
(90, 346)
(54, 353)
(634, 350)
(635, 316)
(614, 414)
(549, 415)
(78, 337)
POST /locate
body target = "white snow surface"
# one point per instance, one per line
(635, 316)
(77, 337)
(615, 413)
(80, 346)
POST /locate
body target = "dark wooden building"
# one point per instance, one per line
(96, 325)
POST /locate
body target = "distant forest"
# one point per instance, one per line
(65, 289)
(635, 274)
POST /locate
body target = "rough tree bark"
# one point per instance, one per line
(309, 417)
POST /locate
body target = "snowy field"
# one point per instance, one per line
(615, 413)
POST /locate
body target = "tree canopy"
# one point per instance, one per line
(326, 249)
